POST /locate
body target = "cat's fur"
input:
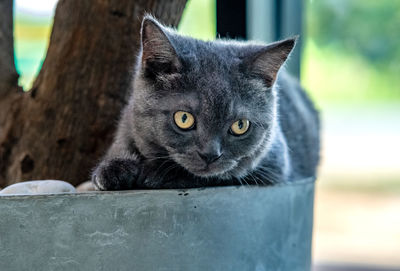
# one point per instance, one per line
(218, 82)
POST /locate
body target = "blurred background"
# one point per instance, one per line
(348, 60)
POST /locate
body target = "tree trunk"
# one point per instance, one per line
(61, 127)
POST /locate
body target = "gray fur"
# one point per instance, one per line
(218, 82)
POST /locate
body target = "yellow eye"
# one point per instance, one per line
(240, 127)
(184, 120)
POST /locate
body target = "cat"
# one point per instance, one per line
(210, 113)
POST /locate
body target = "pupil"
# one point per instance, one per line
(240, 124)
(184, 118)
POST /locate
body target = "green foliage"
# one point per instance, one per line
(31, 35)
(199, 19)
(352, 51)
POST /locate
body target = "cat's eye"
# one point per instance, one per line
(239, 127)
(184, 120)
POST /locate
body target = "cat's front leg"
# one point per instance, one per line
(117, 174)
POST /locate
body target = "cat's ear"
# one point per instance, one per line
(267, 61)
(158, 54)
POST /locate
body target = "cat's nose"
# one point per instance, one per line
(210, 157)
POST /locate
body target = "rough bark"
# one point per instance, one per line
(11, 96)
(8, 74)
(61, 127)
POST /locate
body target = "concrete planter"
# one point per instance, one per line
(223, 228)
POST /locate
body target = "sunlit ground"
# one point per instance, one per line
(357, 215)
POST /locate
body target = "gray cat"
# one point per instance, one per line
(210, 113)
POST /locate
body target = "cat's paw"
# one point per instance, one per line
(116, 174)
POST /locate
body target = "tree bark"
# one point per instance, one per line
(61, 127)
(8, 74)
(11, 96)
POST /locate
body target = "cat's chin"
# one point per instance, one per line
(212, 170)
(200, 169)
(204, 173)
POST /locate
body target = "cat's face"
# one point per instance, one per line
(205, 105)
(206, 123)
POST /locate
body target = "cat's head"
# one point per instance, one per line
(210, 106)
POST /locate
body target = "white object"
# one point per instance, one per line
(38, 187)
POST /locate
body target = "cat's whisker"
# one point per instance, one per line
(160, 168)
(254, 179)
(244, 179)
(240, 180)
(248, 175)
(167, 170)
(153, 158)
(268, 174)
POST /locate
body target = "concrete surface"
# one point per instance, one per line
(223, 228)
